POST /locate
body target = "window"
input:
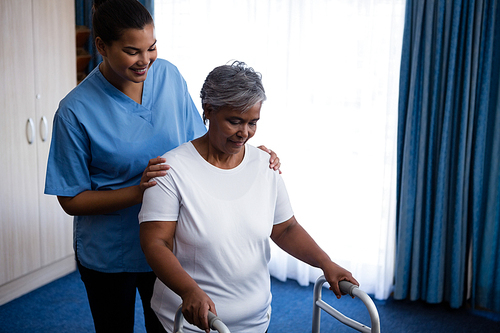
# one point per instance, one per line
(331, 74)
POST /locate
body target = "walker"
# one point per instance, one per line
(346, 287)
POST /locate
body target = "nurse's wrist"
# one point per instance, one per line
(138, 192)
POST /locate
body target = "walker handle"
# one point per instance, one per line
(213, 321)
(347, 287)
(353, 290)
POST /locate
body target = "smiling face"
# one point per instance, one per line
(230, 129)
(128, 59)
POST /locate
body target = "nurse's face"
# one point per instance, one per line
(230, 129)
(129, 58)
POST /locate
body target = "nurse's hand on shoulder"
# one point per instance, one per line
(155, 168)
(274, 161)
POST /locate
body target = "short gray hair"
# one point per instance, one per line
(236, 86)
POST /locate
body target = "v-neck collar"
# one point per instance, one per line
(130, 106)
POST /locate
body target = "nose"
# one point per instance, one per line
(243, 131)
(144, 58)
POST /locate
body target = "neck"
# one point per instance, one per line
(129, 88)
(215, 156)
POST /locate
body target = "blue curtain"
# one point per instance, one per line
(83, 16)
(448, 213)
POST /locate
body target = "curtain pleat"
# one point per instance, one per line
(443, 145)
(486, 180)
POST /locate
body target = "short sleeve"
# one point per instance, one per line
(67, 166)
(283, 211)
(161, 202)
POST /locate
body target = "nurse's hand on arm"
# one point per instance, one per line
(157, 239)
(103, 202)
(292, 238)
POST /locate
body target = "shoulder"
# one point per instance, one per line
(78, 101)
(258, 158)
(165, 67)
(163, 63)
(165, 76)
(182, 154)
(257, 154)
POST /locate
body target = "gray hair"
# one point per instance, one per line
(236, 86)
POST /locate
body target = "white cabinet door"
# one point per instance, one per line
(19, 186)
(38, 66)
(55, 66)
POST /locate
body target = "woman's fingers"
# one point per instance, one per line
(195, 309)
(334, 274)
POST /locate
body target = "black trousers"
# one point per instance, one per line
(112, 300)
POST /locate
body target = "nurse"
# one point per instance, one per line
(128, 110)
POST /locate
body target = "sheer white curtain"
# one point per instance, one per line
(331, 74)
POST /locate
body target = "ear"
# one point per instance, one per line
(100, 46)
(207, 112)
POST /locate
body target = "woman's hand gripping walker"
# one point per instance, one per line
(213, 321)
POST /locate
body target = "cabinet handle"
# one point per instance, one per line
(30, 130)
(44, 130)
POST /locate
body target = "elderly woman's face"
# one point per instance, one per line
(230, 129)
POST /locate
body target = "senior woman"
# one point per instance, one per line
(205, 227)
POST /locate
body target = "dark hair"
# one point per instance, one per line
(111, 17)
(236, 86)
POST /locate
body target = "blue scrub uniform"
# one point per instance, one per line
(102, 140)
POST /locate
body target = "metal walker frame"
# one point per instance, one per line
(346, 287)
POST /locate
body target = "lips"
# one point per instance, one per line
(238, 143)
(140, 71)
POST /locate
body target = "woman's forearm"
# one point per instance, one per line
(292, 238)
(156, 243)
(168, 269)
(295, 240)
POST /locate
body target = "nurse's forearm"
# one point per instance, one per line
(101, 202)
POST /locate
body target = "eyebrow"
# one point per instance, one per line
(137, 49)
(240, 118)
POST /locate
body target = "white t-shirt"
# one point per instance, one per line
(224, 220)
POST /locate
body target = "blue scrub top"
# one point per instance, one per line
(102, 140)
